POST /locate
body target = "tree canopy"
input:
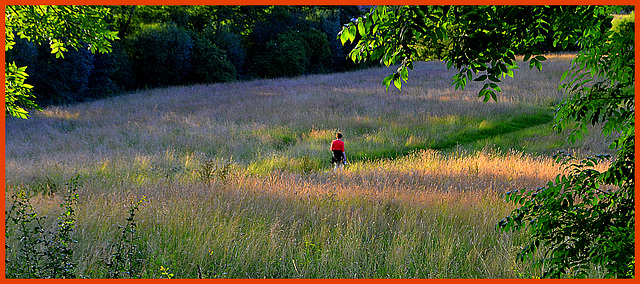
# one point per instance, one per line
(584, 217)
(62, 27)
(161, 46)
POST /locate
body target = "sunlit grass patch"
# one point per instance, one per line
(281, 163)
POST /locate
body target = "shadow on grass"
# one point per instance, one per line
(484, 131)
(500, 128)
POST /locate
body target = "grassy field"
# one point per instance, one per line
(237, 180)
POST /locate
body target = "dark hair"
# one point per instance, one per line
(339, 135)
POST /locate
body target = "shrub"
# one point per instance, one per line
(283, 56)
(317, 49)
(40, 253)
(328, 22)
(111, 73)
(31, 251)
(126, 259)
(232, 45)
(275, 21)
(160, 55)
(60, 80)
(624, 23)
(209, 63)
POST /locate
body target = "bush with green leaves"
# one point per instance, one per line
(125, 261)
(317, 49)
(293, 53)
(111, 73)
(209, 63)
(40, 253)
(231, 43)
(585, 216)
(160, 55)
(282, 56)
(32, 251)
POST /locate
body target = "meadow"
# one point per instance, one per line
(234, 179)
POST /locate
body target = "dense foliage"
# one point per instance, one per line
(59, 27)
(584, 217)
(587, 217)
(162, 46)
(160, 54)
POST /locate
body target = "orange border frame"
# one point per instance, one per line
(300, 2)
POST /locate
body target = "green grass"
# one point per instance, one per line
(488, 129)
(239, 185)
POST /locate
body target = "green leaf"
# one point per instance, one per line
(344, 35)
(486, 96)
(564, 75)
(354, 55)
(481, 78)
(361, 29)
(512, 56)
(404, 73)
(495, 87)
(494, 97)
(503, 68)
(387, 81)
(351, 35)
(441, 33)
(398, 83)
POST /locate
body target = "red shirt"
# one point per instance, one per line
(337, 145)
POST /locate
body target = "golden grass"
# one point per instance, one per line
(434, 215)
(426, 215)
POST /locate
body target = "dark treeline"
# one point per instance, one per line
(179, 45)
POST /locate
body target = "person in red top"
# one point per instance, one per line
(337, 147)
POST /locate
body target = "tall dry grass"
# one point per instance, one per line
(428, 214)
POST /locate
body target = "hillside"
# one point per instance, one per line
(258, 121)
(236, 183)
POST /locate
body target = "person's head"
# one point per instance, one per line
(339, 135)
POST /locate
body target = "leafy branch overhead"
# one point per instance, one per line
(62, 27)
(584, 217)
(481, 42)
